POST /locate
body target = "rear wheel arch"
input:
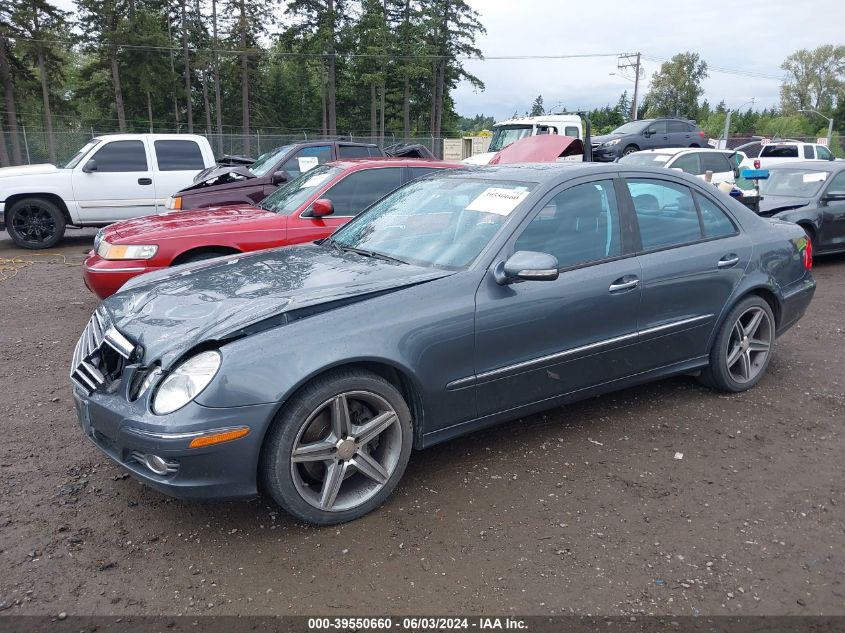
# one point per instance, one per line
(809, 229)
(203, 252)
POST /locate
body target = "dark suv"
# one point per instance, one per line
(646, 134)
(241, 184)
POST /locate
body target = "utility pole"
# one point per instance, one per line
(632, 61)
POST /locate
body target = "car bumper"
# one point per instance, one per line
(105, 277)
(605, 154)
(796, 299)
(222, 470)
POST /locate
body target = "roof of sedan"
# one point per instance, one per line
(534, 172)
(815, 165)
(360, 163)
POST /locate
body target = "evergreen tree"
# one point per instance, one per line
(537, 107)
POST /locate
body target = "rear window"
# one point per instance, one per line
(779, 151)
(178, 156)
(715, 162)
(353, 151)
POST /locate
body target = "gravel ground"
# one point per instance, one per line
(582, 509)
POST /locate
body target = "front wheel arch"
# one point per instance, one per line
(203, 252)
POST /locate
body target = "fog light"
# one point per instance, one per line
(156, 464)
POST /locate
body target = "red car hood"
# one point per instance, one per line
(544, 148)
(198, 222)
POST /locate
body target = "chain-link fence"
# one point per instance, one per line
(31, 144)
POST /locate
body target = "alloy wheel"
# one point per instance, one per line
(749, 345)
(33, 223)
(346, 451)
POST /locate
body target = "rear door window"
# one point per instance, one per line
(715, 162)
(353, 151)
(714, 221)
(178, 156)
(678, 126)
(361, 188)
(808, 152)
(122, 156)
(665, 213)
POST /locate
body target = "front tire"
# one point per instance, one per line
(743, 347)
(339, 447)
(630, 150)
(35, 223)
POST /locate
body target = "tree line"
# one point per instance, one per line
(224, 66)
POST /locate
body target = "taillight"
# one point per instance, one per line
(808, 255)
(757, 164)
(701, 133)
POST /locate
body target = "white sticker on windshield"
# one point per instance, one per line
(307, 162)
(497, 200)
(661, 158)
(315, 181)
(819, 176)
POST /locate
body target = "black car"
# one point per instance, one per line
(466, 298)
(811, 194)
(646, 134)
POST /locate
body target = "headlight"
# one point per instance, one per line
(174, 202)
(185, 382)
(609, 143)
(126, 251)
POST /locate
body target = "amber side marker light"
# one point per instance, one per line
(218, 438)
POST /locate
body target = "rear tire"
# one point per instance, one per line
(743, 347)
(322, 463)
(35, 223)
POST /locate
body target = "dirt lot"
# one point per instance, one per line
(750, 521)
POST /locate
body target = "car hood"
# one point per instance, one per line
(173, 224)
(170, 312)
(222, 175)
(544, 148)
(28, 170)
(775, 204)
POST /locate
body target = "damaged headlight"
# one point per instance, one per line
(186, 382)
(126, 251)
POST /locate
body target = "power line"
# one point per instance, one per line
(725, 71)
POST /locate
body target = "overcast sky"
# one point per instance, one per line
(745, 35)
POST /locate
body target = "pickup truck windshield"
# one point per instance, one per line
(504, 135)
(290, 197)
(267, 160)
(74, 161)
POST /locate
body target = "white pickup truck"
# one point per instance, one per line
(111, 178)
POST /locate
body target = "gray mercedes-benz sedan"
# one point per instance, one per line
(463, 299)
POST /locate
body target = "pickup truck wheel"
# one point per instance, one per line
(630, 150)
(35, 223)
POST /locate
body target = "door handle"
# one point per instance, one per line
(145, 181)
(624, 283)
(727, 261)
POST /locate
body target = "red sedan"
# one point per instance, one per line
(308, 208)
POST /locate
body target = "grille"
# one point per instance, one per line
(100, 355)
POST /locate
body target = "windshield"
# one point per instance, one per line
(266, 161)
(650, 159)
(630, 128)
(801, 183)
(74, 161)
(291, 196)
(504, 135)
(441, 222)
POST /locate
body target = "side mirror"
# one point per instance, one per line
(831, 156)
(527, 266)
(279, 177)
(837, 196)
(647, 133)
(321, 208)
(89, 166)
